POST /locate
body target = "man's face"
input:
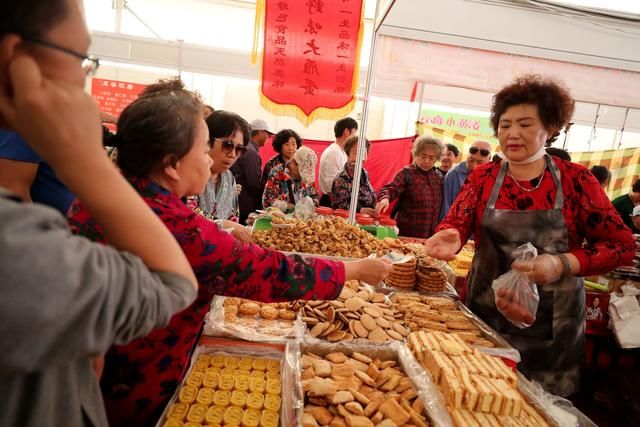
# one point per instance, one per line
(447, 160)
(479, 153)
(71, 33)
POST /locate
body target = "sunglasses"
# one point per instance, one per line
(228, 146)
(483, 152)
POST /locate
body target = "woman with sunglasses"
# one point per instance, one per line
(228, 132)
(479, 153)
(293, 181)
(163, 150)
(285, 143)
(556, 205)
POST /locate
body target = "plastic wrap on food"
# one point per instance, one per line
(253, 321)
(234, 382)
(421, 394)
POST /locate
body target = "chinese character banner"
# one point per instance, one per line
(113, 96)
(311, 57)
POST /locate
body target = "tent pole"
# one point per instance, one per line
(421, 101)
(624, 124)
(357, 173)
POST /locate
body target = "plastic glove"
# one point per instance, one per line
(382, 205)
(512, 310)
(543, 269)
(444, 244)
(239, 232)
(370, 270)
(370, 212)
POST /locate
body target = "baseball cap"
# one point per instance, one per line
(636, 211)
(259, 124)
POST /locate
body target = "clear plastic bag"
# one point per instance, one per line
(305, 208)
(516, 295)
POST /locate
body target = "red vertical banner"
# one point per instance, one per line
(311, 57)
(113, 96)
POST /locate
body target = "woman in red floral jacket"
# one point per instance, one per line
(163, 146)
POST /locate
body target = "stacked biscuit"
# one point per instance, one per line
(430, 277)
(462, 263)
(275, 319)
(403, 275)
(229, 390)
(361, 314)
(358, 391)
(478, 389)
(429, 314)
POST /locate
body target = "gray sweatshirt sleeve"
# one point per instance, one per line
(63, 297)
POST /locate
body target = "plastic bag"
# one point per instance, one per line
(516, 296)
(305, 208)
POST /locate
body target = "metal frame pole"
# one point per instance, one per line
(355, 188)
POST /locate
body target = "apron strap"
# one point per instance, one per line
(498, 185)
(555, 174)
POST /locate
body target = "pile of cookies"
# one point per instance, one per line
(275, 319)
(223, 389)
(430, 277)
(330, 236)
(403, 275)
(358, 391)
(479, 389)
(424, 313)
(355, 314)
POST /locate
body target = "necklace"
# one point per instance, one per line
(528, 190)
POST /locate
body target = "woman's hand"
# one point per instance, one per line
(382, 205)
(238, 189)
(444, 244)
(370, 211)
(543, 269)
(370, 270)
(238, 231)
(511, 309)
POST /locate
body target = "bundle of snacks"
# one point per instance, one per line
(355, 314)
(462, 263)
(359, 388)
(424, 313)
(330, 236)
(252, 320)
(478, 389)
(431, 278)
(403, 275)
(225, 388)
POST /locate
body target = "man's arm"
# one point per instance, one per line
(17, 177)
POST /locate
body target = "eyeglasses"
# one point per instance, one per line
(228, 146)
(483, 152)
(90, 63)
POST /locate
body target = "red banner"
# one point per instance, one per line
(311, 57)
(386, 158)
(113, 96)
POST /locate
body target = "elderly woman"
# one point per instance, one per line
(343, 183)
(418, 188)
(164, 149)
(286, 143)
(556, 205)
(228, 133)
(287, 184)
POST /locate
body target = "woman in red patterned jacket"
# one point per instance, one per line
(554, 204)
(163, 145)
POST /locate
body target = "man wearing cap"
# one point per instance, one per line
(479, 153)
(247, 170)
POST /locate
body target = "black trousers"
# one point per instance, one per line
(325, 201)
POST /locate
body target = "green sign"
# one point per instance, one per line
(463, 124)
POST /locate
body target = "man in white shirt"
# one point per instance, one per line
(334, 158)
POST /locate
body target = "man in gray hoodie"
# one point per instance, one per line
(63, 299)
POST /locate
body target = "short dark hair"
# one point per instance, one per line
(636, 187)
(31, 17)
(559, 152)
(342, 124)
(223, 123)
(453, 149)
(602, 173)
(553, 101)
(282, 138)
(352, 142)
(154, 127)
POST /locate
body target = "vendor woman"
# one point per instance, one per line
(556, 205)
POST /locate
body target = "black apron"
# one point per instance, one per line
(552, 348)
